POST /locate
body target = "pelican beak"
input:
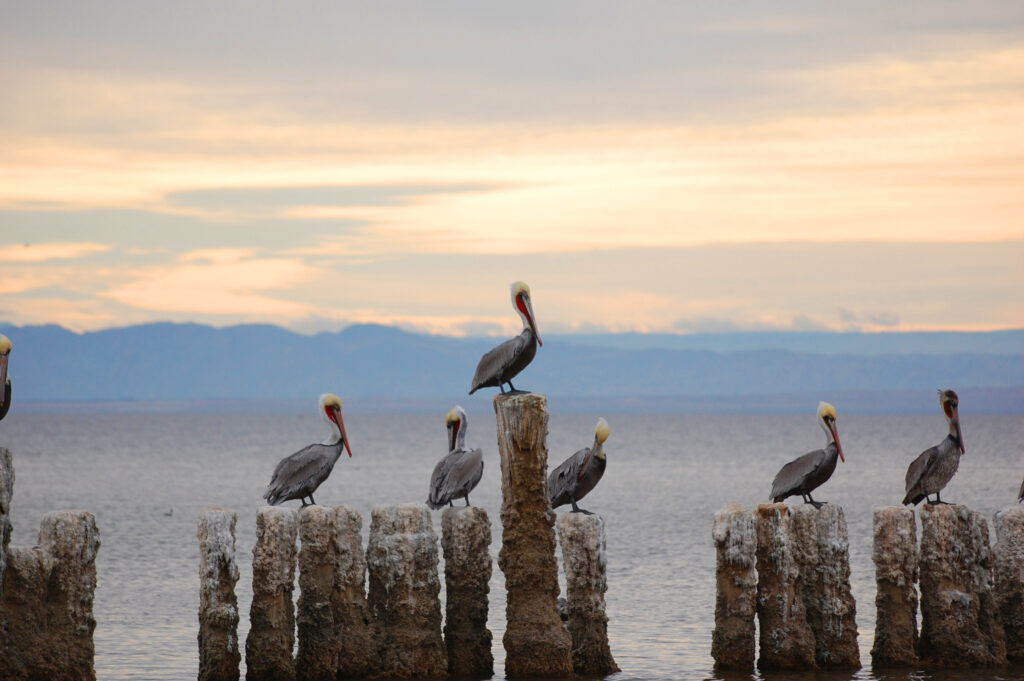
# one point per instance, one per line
(959, 434)
(453, 432)
(835, 436)
(344, 435)
(528, 311)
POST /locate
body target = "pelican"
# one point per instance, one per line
(298, 475)
(5, 355)
(806, 473)
(504, 362)
(935, 467)
(580, 473)
(457, 474)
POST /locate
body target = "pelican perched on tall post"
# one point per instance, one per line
(297, 476)
(807, 473)
(5, 355)
(459, 472)
(580, 473)
(504, 362)
(932, 470)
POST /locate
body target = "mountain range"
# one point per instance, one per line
(165, 363)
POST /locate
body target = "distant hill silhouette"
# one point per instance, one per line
(175, 362)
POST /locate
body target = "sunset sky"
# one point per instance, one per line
(644, 166)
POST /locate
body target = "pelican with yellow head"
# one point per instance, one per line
(580, 473)
(504, 362)
(807, 473)
(459, 472)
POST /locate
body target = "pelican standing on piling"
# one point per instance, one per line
(580, 473)
(298, 475)
(935, 467)
(807, 473)
(5, 355)
(504, 362)
(458, 473)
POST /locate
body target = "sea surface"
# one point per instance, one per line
(147, 476)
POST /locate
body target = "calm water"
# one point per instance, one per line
(146, 477)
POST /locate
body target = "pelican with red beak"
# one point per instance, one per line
(807, 473)
(5, 355)
(297, 476)
(459, 472)
(504, 362)
(932, 470)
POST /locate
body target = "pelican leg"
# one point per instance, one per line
(513, 390)
(502, 388)
(467, 499)
(816, 504)
(311, 502)
(577, 509)
(938, 500)
(450, 504)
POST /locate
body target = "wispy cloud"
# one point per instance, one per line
(50, 251)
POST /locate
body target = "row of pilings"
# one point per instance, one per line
(378, 614)
(788, 569)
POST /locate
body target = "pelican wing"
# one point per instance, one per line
(301, 473)
(6, 405)
(793, 475)
(563, 480)
(1020, 494)
(454, 476)
(495, 362)
(917, 472)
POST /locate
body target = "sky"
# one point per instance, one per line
(644, 166)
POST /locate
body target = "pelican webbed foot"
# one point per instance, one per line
(808, 499)
(577, 509)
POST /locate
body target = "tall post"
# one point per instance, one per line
(735, 535)
(959, 627)
(48, 597)
(536, 642)
(465, 536)
(585, 558)
(787, 641)
(404, 591)
(822, 549)
(1009, 576)
(219, 655)
(317, 656)
(268, 648)
(359, 654)
(896, 559)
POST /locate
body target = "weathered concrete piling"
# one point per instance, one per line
(959, 627)
(786, 638)
(735, 535)
(465, 536)
(268, 648)
(219, 655)
(404, 588)
(337, 637)
(48, 595)
(585, 559)
(536, 642)
(1009, 578)
(823, 555)
(894, 552)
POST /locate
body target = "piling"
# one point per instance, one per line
(48, 599)
(536, 642)
(317, 656)
(786, 638)
(219, 654)
(822, 549)
(894, 552)
(735, 535)
(359, 654)
(465, 538)
(959, 627)
(585, 558)
(1009, 578)
(404, 588)
(268, 648)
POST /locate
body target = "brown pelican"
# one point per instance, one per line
(937, 465)
(5, 354)
(298, 475)
(504, 362)
(580, 473)
(459, 472)
(805, 474)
